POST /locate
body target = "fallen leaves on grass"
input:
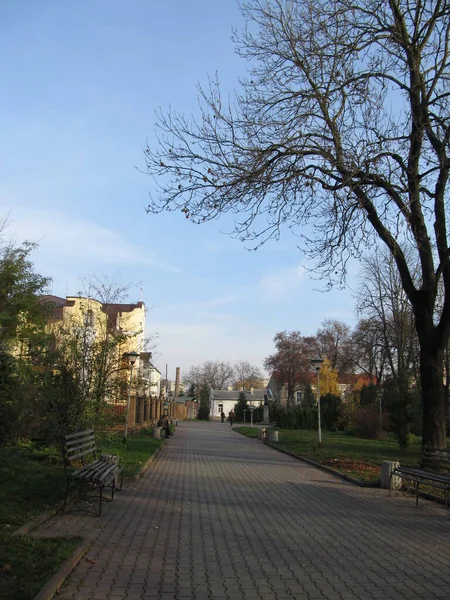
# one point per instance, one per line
(354, 467)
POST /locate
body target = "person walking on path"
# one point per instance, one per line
(231, 417)
(222, 416)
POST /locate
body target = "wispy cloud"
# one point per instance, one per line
(215, 316)
(197, 307)
(281, 284)
(190, 331)
(75, 240)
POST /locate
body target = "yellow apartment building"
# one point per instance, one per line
(97, 320)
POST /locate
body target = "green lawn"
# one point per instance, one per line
(32, 481)
(353, 456)
(248, 431)
(135, 453)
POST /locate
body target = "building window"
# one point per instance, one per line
(299, 397)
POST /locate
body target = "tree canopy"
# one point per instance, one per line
(341, 132)
(20, 287)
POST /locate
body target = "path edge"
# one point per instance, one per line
(349, 478)
(58, 579)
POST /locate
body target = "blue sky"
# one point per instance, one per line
(81, 84)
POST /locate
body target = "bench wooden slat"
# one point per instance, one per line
(73, 457)
(85, 447)
(85, 470)
(432, 481)
(70, 436)
(98, 473)
(80, 442)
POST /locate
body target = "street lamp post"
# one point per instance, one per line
(317, 363)
(251, 416)
(132, 358)
(380, 400)
(244, 415)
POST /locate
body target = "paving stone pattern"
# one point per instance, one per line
(223, 517)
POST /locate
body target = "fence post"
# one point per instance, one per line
(132, 412)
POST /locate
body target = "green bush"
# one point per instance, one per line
(367, 423)
(19, 400)
(203, 409)
(239, 408)
(294, 417)
(330, 411)
(403, 404)
(347, 415)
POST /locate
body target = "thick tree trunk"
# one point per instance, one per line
(433, 396)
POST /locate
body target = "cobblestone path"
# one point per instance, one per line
(223, 517)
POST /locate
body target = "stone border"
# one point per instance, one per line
(34, 523)
(369, 484)
(54, 584)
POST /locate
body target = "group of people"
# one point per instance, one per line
(230, 416)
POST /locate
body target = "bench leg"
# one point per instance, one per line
(119, 489)
(66, 496)
(101, 500)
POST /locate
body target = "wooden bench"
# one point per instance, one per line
(434, 472)
(91, 473)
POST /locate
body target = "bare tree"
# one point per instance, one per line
(334, 342)
(342, 132)
(291, 361)
(209, 375)
(247, 375)
(382, 300)
(369, 350)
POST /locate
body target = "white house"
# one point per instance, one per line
(224, 400)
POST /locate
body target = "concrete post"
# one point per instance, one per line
(386, 467)
(132, 412)
(141, 410)
(152, 408)
(273, 436)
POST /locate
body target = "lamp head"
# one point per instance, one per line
(132, 357)
(316, 363)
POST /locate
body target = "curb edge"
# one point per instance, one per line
(57, 580)
(349, 478)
